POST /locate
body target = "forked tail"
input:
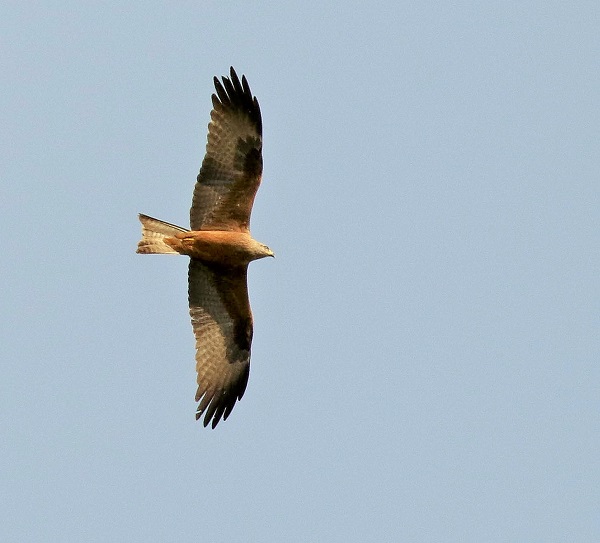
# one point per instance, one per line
(154, 232)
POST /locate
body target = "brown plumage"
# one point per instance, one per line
(220, 247)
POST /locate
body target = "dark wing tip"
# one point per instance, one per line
(217, 405)
(216, 408)
(235, 94)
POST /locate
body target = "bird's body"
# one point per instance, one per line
(224, 248)
(220, 247)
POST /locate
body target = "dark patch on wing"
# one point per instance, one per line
(242, 334)
(250, 154)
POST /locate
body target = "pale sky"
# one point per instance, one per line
(426, 344)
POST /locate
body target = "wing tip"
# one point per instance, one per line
(235, 93)
(218, 405)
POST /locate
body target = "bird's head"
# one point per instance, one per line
(267, 251)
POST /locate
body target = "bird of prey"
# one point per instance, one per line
(220, 247)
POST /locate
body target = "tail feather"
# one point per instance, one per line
(154, 231)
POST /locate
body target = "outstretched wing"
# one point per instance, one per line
(222, 323)
(232, 167)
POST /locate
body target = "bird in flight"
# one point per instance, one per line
(220, 247)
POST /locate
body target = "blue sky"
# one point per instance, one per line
(425, 356)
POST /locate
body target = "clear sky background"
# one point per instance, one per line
(425, 358)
